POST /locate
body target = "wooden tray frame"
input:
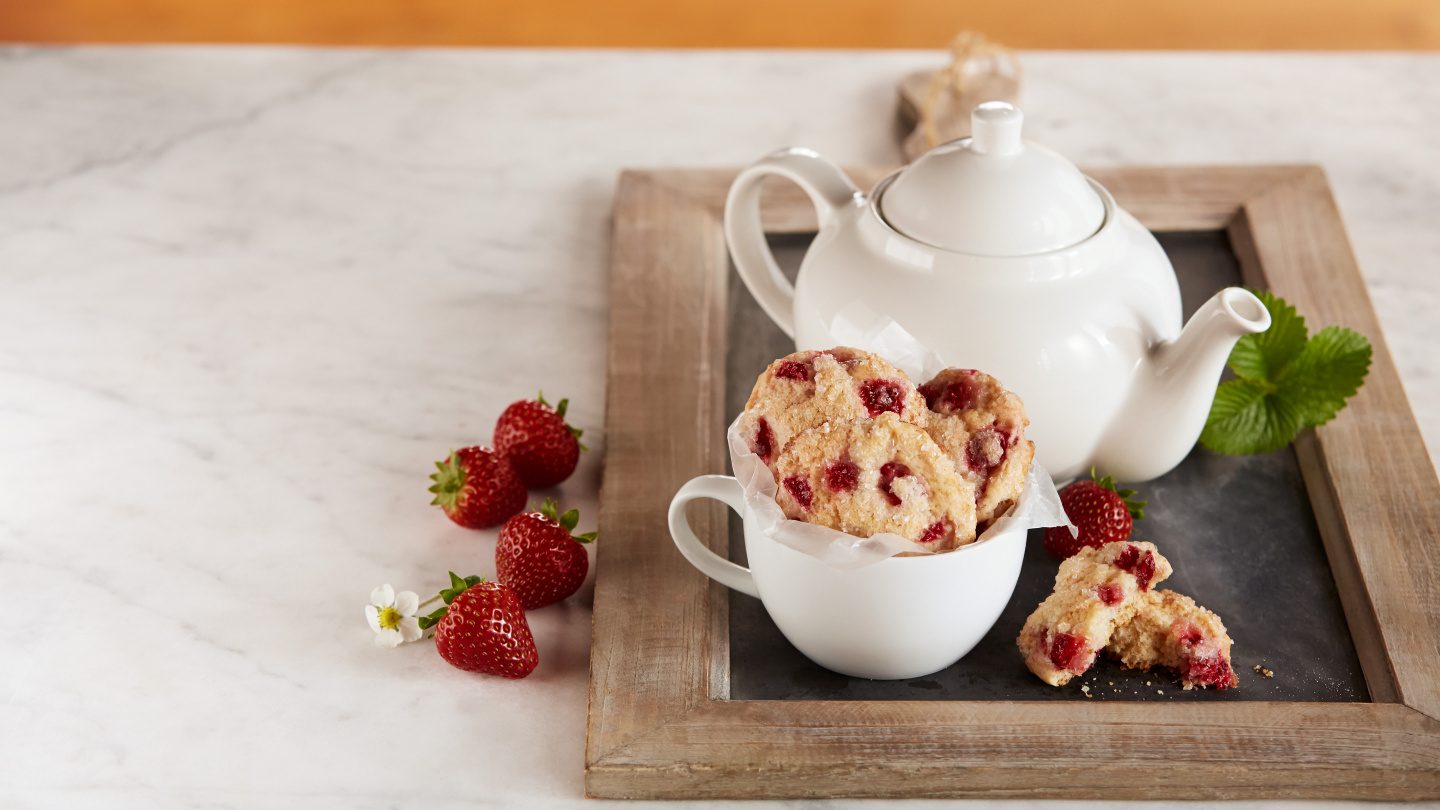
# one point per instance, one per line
(661, 724)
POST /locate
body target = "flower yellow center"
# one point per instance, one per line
(389, 618)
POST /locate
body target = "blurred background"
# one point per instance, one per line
(1057, 24)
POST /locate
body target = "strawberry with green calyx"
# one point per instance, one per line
(536, 439)
(539, 558)
(1100, 511)
(477, 487)
(482, 628)
(1285, 381)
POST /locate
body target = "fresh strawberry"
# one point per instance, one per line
(537, 441)
(482, 628)
(1102, 513)
(477, 487)
(539, 558)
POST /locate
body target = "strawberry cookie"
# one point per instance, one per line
(807, 389)
(981, 427)
(876, 475)
(1169, 630)
(1096, 591)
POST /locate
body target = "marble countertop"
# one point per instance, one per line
(248, 295)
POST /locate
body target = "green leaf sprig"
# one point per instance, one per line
(1285, 381)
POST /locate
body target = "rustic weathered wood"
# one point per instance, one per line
(660, 723)
(1367, 472)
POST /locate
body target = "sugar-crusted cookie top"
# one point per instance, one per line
(872, 476)
(807, 389)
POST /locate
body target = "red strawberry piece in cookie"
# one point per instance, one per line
(1138, 562)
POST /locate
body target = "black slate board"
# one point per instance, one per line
(1239, 531)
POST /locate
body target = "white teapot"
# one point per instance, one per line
(998, 254)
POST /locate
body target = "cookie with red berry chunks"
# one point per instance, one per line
(807, 389)
(1096, 591)
(1169, 630)
(981, 426)
(477, 487)
(536, 439)
(872, 476)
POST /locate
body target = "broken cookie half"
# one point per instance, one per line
(1103, 601)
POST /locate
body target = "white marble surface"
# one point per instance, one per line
(248, 295)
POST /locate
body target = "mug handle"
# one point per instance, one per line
(828, 189)
(727, 490)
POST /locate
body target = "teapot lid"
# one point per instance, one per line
(993, 194)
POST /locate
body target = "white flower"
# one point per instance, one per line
(392, 616)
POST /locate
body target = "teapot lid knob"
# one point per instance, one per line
(992, 194)
(995, 129)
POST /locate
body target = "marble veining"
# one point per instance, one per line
(247, 295)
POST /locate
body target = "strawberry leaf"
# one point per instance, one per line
(1327, 373)
(588, 537)
(1285, 383)
(560, 409)
(1263, 355)
(1248, 417)
(458, 585)
(570, 519)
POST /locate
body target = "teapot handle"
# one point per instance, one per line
(828, 188)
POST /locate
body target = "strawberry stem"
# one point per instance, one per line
(449, 480)
(458, 585)
(1135, 507)
(560, 409)
(568, 521)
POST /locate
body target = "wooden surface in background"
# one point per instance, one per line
(1099, 24)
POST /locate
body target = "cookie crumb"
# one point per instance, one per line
(1159, 691)
(1147, 683)
(1264, 672)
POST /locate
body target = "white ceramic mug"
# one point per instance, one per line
(902, 617)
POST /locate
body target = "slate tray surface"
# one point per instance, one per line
(1239, 531)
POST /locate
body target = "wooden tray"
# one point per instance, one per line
(662, 719)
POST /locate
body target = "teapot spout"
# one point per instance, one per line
(1169, 403)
